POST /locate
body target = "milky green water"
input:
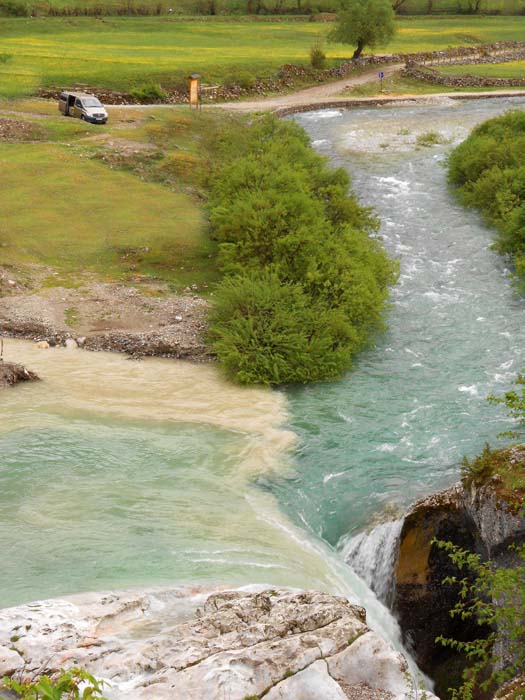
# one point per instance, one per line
(117, 474)
(396, 428)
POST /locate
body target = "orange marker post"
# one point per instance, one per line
(194, 91)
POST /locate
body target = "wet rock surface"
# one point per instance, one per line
(482, 519)
(11, 373)
(188, 643)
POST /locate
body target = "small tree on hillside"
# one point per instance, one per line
(364, 23)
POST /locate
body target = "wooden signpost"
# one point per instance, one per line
(194, 91)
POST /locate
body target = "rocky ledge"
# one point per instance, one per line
(483, 518)
(11, 373)
(191, 644)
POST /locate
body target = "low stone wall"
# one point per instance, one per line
(289, 74)
(431, 75)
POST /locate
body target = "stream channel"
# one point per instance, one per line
(119, 474)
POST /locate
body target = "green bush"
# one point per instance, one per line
(75, 684)
(495, 598)
(306, 283)
(480, 469)
(429, 138)
(13, 8)
(317, 56)
(239, 79)
(267, 331)
(149, 93)
(488, 171)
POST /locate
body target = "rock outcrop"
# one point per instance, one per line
(187, 644)
(11, 373)
(484, 519)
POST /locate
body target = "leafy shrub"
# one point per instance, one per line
(488, 171)
(429, 138)
(317, 56)
(74, 684)
(480, 469)
(267, 331)
(13, 8)
(494, 598)
(149, 92)
(306, 283)
(239, 79)
(515, 403)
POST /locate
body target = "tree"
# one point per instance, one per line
(364, 23)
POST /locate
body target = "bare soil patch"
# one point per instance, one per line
(18, 130)
(104, 316)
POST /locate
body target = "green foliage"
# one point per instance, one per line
(515, 403)
(429, 138)
(74, 684)
(489, 173)
(13, 8)
(364, 23)
(305, 284)
(495, 597)
(240, 78)
(317, 56)
(266, 331)
(480, 469)
(149, 92)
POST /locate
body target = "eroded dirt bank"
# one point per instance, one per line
(103, 316)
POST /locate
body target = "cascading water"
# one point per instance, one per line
(373, 556)
(118, 474)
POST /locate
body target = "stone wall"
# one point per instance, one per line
(436, 77)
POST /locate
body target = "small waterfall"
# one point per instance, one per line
(373, 556)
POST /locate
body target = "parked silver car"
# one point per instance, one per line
(83, 106)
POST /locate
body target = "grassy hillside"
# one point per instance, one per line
(94, 207)
(119, 53)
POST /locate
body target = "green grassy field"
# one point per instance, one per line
(398, 85)
(514, 69)
(88, 214)
(123, 52)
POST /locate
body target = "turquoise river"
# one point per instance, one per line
(118, 474)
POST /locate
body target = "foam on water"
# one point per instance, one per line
(417, 399)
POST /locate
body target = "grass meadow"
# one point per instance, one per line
(513, 69)
(67, 209)
(123, 52)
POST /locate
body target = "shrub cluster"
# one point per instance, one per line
(305, 283)
(489, 172)
(317, 56)
(149, 93)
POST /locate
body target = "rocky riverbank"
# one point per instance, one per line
(483, 518)
(193, 644)
(113, 317)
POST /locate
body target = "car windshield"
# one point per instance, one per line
(91, 102)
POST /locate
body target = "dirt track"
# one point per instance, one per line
(329, 95)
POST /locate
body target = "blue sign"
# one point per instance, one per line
(381, 75)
